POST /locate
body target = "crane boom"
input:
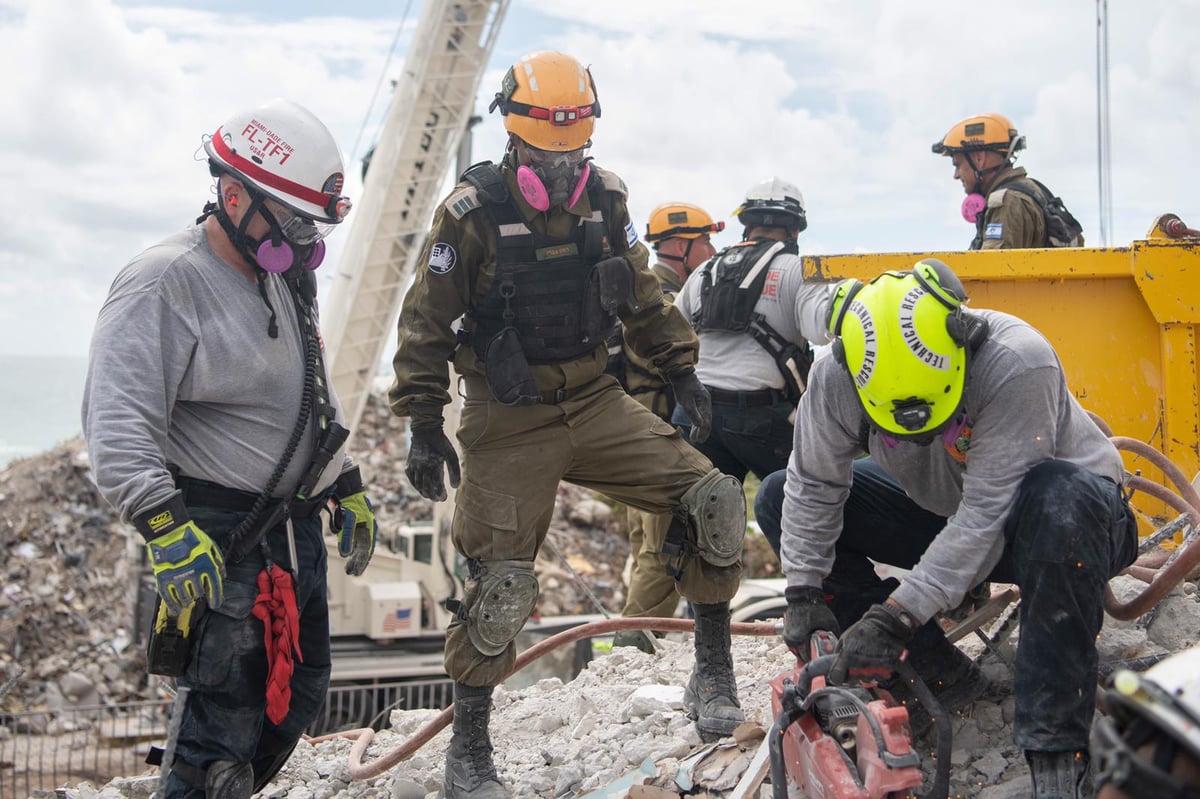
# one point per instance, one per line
(428, 114)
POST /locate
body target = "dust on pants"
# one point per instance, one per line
(652, 592)
(513, 459)
(225, 715)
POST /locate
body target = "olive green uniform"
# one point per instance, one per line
(651, 589)
(586, 429)
(1012, 219)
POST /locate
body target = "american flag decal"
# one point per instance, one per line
(400, 620)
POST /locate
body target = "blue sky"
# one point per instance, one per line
(106, 102)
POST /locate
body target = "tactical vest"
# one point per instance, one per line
(1062, 229)
(543, 287)
(731, 284)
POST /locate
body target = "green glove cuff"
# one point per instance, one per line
(164, 516)
(348, 482)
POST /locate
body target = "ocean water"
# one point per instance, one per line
(39, 403)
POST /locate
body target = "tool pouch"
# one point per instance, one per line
(169, 648)
(507, 371)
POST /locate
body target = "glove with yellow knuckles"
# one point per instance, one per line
(354, 520)
(188, 565)
(694, 398)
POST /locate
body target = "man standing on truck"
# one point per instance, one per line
(1009, 209)
(680, 235)
(982, 466)
(755, 316)
(537, 259)
(212, 426)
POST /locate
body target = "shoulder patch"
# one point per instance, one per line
(996, 198)
(442, 258)
(995, 230)
(461, 200)
(631, 236)
(610, 181)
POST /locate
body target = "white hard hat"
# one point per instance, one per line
(773, 203)
(284, 151)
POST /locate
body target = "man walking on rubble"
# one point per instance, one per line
(211, 426)
(1009, 209)
(680, 234)
(755, 316)
(982, 465)
(537, 258)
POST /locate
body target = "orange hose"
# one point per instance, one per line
(362, 737)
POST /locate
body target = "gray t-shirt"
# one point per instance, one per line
(795, 309)
(182, 371)
(1020, 412)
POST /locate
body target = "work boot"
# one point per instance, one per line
(952, 677)
(1060, 775)
(635, 638)
(470, 773)
(711, 694)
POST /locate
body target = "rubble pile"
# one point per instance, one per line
(66, 588)
(622, 718)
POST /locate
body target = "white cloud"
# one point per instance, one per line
(106, 104)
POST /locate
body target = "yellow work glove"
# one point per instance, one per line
(354, 520)
(187, 563)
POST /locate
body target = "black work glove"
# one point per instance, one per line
(872, 646)
(807, 613)
(429, 451)
(693, 397)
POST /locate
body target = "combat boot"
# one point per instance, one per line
(1060, 775)
(711, 694)
(470, 773)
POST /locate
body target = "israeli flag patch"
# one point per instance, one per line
(442, 258)
(630, 235)
(995, 230)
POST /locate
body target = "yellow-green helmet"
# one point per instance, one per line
(903, 338)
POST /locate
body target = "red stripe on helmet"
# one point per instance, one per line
(253, 170)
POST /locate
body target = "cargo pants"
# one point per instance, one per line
(595, 436)
(225, 715)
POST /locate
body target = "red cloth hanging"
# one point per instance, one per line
(276, 606)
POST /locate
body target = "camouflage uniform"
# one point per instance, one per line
(585, 429)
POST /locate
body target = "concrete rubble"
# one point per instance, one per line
(65, 639)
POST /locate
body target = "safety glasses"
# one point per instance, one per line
(298, 229)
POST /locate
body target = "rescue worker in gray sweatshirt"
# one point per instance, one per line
(212, 427)
(982, 466)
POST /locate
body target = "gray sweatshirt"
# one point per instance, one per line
(1021, 413)
(182, 371)
(793, 308)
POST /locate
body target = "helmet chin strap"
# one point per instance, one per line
(270, 254)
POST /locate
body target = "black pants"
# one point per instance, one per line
(1068, 533)
(225, 716)
(746, 439)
